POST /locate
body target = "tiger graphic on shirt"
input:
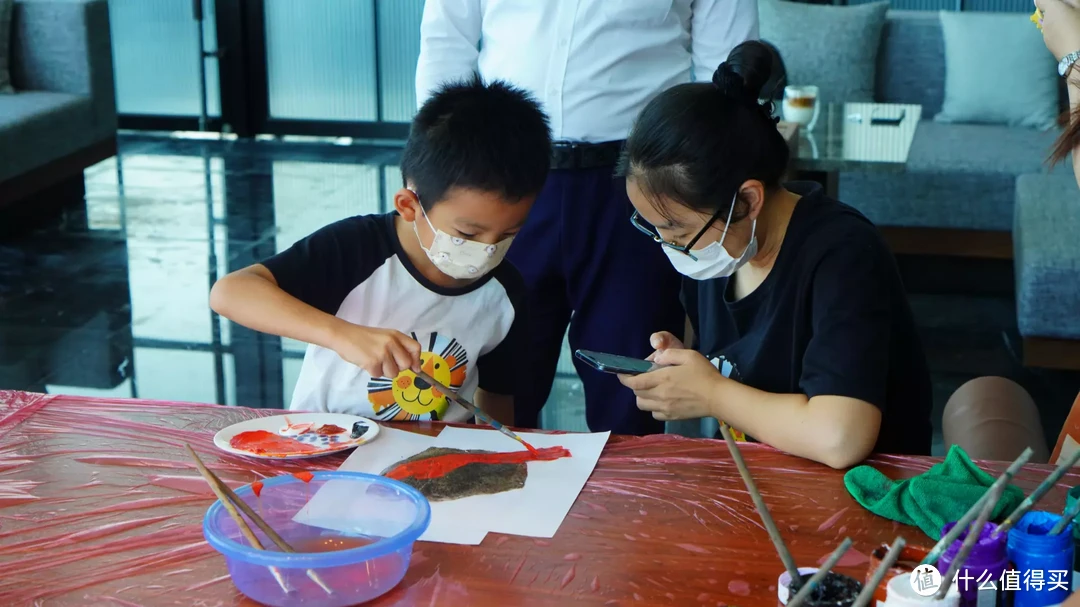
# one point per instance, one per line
(406, 397)
(729, 370)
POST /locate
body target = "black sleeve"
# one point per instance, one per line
(688, 296)
(501, 368)
(851, 316)
(322, 269)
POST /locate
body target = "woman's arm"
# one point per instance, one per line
(835, 430)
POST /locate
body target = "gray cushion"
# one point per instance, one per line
(910, 67)
(39, 127)
(958, 176)
(997, 71)
(833, 47)
(1046, 256)
(6, 8)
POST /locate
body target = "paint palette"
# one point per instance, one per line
(296, 436)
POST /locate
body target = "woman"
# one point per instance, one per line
(1060, 23)
(794, 295)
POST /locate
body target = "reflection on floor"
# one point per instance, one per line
(114, 301)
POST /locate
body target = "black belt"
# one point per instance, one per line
(577, 155)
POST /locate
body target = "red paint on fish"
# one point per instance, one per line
(304, 476)
(262, 442)
(531, 449)
(256, 488)
(441, 465)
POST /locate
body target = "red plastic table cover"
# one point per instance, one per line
(99, 505)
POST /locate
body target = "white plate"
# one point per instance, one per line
(280, 424)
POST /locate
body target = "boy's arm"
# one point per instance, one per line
(449, 44)
(499, 406)
(298, 292)
(252, 297)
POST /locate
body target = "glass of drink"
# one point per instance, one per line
(801, 105)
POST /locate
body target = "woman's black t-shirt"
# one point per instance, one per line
(831, 318)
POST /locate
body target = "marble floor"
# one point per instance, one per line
(113, 300)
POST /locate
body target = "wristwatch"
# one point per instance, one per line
(1067, 62)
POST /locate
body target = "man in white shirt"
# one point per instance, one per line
(593, 65)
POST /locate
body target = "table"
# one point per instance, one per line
(846, 139)
(100, 506)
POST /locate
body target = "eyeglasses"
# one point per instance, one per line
(685, 249)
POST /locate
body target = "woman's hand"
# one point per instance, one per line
(664, 340)
(684, 389)
(1060, 26)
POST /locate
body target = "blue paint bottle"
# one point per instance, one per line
(1038, 557)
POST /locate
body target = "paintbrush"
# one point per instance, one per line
(1038, 493)
(950, 537)
(867, 593)
(759, 503)
(816, 579)
(974, 532)
(231, 501)
(484, 417)
(1066, 518)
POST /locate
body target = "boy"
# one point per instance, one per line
(380, 297)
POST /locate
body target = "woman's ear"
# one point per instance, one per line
(407, 204)
(752, 196)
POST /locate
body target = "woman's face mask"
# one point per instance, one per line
(712, 260)
(460, 258)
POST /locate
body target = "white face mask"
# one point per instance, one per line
(713, 261)
(460, 258)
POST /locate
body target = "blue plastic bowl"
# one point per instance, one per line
(375, 519)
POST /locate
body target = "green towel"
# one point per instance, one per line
(931, 500)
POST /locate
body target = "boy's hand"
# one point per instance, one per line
(661, 341)
(380, 352)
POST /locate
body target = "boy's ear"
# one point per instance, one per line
(407, 204)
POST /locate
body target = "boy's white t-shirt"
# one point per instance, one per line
(356, 269)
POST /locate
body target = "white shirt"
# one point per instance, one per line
(593, 64)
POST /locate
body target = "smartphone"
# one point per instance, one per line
(613, 363)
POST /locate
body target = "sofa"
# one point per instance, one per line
(958, 192)
(62, 116)
(977, 190)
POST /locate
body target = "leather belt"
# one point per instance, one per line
(579, 155)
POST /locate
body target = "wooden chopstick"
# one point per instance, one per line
(808, 588)
(231, 502)
(879, 574)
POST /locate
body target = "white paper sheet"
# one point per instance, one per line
(537, 510)
(391, 446)
(550, 490)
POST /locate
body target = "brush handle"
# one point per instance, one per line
(484, 417)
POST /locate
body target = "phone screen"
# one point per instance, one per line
(613, 363)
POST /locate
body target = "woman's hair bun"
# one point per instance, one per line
(748, 68)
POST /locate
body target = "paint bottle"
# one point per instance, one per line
(1042, 561)
(1074, 494)
(983, 568)
(909, 558)
(902, 594)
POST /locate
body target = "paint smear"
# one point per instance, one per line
(739, 588)
(569, 577)
(832, 520)
(594, 585)
(597, 507)
(542, 543)
(637, 597)
(517, 570)
(693, 548)
(704, 596)
(630, 537)
(580, 516)
(573, 556)
(502, 540)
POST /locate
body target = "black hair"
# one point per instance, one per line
(696, 144)
(491, 137)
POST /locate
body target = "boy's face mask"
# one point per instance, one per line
(460, 258)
